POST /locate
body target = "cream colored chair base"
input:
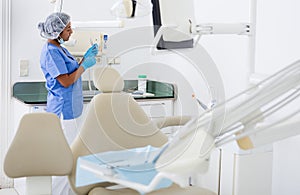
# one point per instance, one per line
(174, 190)
(8, 191)
(34, 186)
(39, 185)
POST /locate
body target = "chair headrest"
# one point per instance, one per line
(107, 79)
(39, 148)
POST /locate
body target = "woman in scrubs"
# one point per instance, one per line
(63, 79)
(61, 70)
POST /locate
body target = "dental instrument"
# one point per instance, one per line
(247, 112)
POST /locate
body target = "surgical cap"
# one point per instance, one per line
(54, 25)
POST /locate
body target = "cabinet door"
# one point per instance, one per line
(157, 109)
(253, 173)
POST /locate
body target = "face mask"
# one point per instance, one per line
(60, 40)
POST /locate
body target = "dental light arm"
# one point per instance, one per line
(220, 28)
(246, 114)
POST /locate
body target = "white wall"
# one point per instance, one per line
(277, 34)
(26, 42)
(278, 45)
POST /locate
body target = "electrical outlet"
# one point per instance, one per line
(110, 61)
(117, 60)
(98, 60)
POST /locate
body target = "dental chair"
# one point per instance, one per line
(38, 151)
(114, 122)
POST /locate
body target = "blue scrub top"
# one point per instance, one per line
(68, 101)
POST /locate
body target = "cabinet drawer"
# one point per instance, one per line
(157, 109)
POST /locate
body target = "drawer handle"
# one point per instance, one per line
(155, 104)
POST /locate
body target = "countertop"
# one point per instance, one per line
(35, 92)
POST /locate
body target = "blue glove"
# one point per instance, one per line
(92, 51)
(88, 62)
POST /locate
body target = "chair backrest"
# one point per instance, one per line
(38, 151)
(39, 148)
(113, 122)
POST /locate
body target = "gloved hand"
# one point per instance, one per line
(88, 62)
(92, 51)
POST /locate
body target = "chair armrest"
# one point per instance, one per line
(171, 121)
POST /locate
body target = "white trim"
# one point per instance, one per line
(252, 41)
(5, 79)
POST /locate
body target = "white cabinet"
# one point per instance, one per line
(157, 108)
(253, 173)
(286, 172)
(210, 178)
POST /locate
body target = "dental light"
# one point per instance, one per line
(131, 8)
